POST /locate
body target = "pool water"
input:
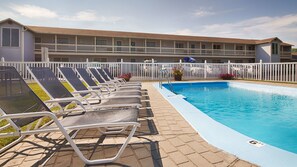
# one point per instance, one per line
(267, 117)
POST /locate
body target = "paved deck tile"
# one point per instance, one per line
(164, 139)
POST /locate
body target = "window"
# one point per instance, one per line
(61, 59)
(192, 46)
(37, 40)
(63, 40)
(251, 48)
(151, 44)
(274, 48)
(133, 60)
(216, 46)
(239, 47)
(238, 61)
(101, 42)
(10, 37)
(100, 59)
(179, 45)
(132, 43)
(119, 43)
(119, 60)
(216, 61)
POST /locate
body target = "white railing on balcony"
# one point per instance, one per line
(280, 72)
(141, 50)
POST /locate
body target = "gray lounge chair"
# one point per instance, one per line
(91, 84)
(20, 106)
(99, 79)
(108, 73)
(62, 97)
(119, 82)
(77, 85)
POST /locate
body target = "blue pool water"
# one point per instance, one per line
(267, 117)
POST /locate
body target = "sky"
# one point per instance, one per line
(249, 19)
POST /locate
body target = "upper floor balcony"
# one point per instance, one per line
(101, 45)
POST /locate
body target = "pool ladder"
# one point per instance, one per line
(164, 73)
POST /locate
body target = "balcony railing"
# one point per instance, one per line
(141, 50)
(286, 55)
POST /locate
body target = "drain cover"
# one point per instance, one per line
(256, 143)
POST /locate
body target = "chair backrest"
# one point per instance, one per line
(49, 82)
(86, 76)
(17, 97)
(69, 74)
(102, 73)
(108, 73)
(96, 75)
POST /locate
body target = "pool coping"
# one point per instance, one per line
(226, 138)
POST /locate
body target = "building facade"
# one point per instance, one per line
(33, 43)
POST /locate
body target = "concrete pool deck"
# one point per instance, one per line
(165, 138)
(228, 139)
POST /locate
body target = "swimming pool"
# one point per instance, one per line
(268, 117)
(265, 113)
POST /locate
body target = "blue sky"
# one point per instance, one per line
(254, 19)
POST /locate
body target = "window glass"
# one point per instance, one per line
(216, 46)
(179, 45)
(274, 48)
(37, 40)
(150, 44)
(15, 37)
(101, 42)
(65, 59)
(239, 47)
(63, 40)
(6, 37)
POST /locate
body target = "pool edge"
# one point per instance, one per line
(230, 140)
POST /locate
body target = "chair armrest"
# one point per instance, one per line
(68, 99)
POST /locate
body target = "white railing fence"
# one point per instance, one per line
(280, 72)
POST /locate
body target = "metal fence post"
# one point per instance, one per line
(260, 69)
(2, 61)
(205, 70)
(228, 66)
(153, 68)
(87, 63)
(122, 62)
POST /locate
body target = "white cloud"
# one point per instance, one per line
(185, 31)
(87, 15)
(284, 27)
(32, 11)
(90, 15)
(202, 12)
(7, 14)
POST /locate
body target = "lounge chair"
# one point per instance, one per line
(62, 97)
(119, 82)
(20, 106)
(91, 84)
(107, 72)
(99, 79)
(77, 85)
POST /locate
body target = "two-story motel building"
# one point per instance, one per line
(28, 43)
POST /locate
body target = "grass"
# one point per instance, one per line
(43, 96)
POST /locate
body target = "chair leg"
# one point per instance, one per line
(98, 161)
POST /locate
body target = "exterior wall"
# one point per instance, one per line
(263, 52)
(11, 53)
(29, 46)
